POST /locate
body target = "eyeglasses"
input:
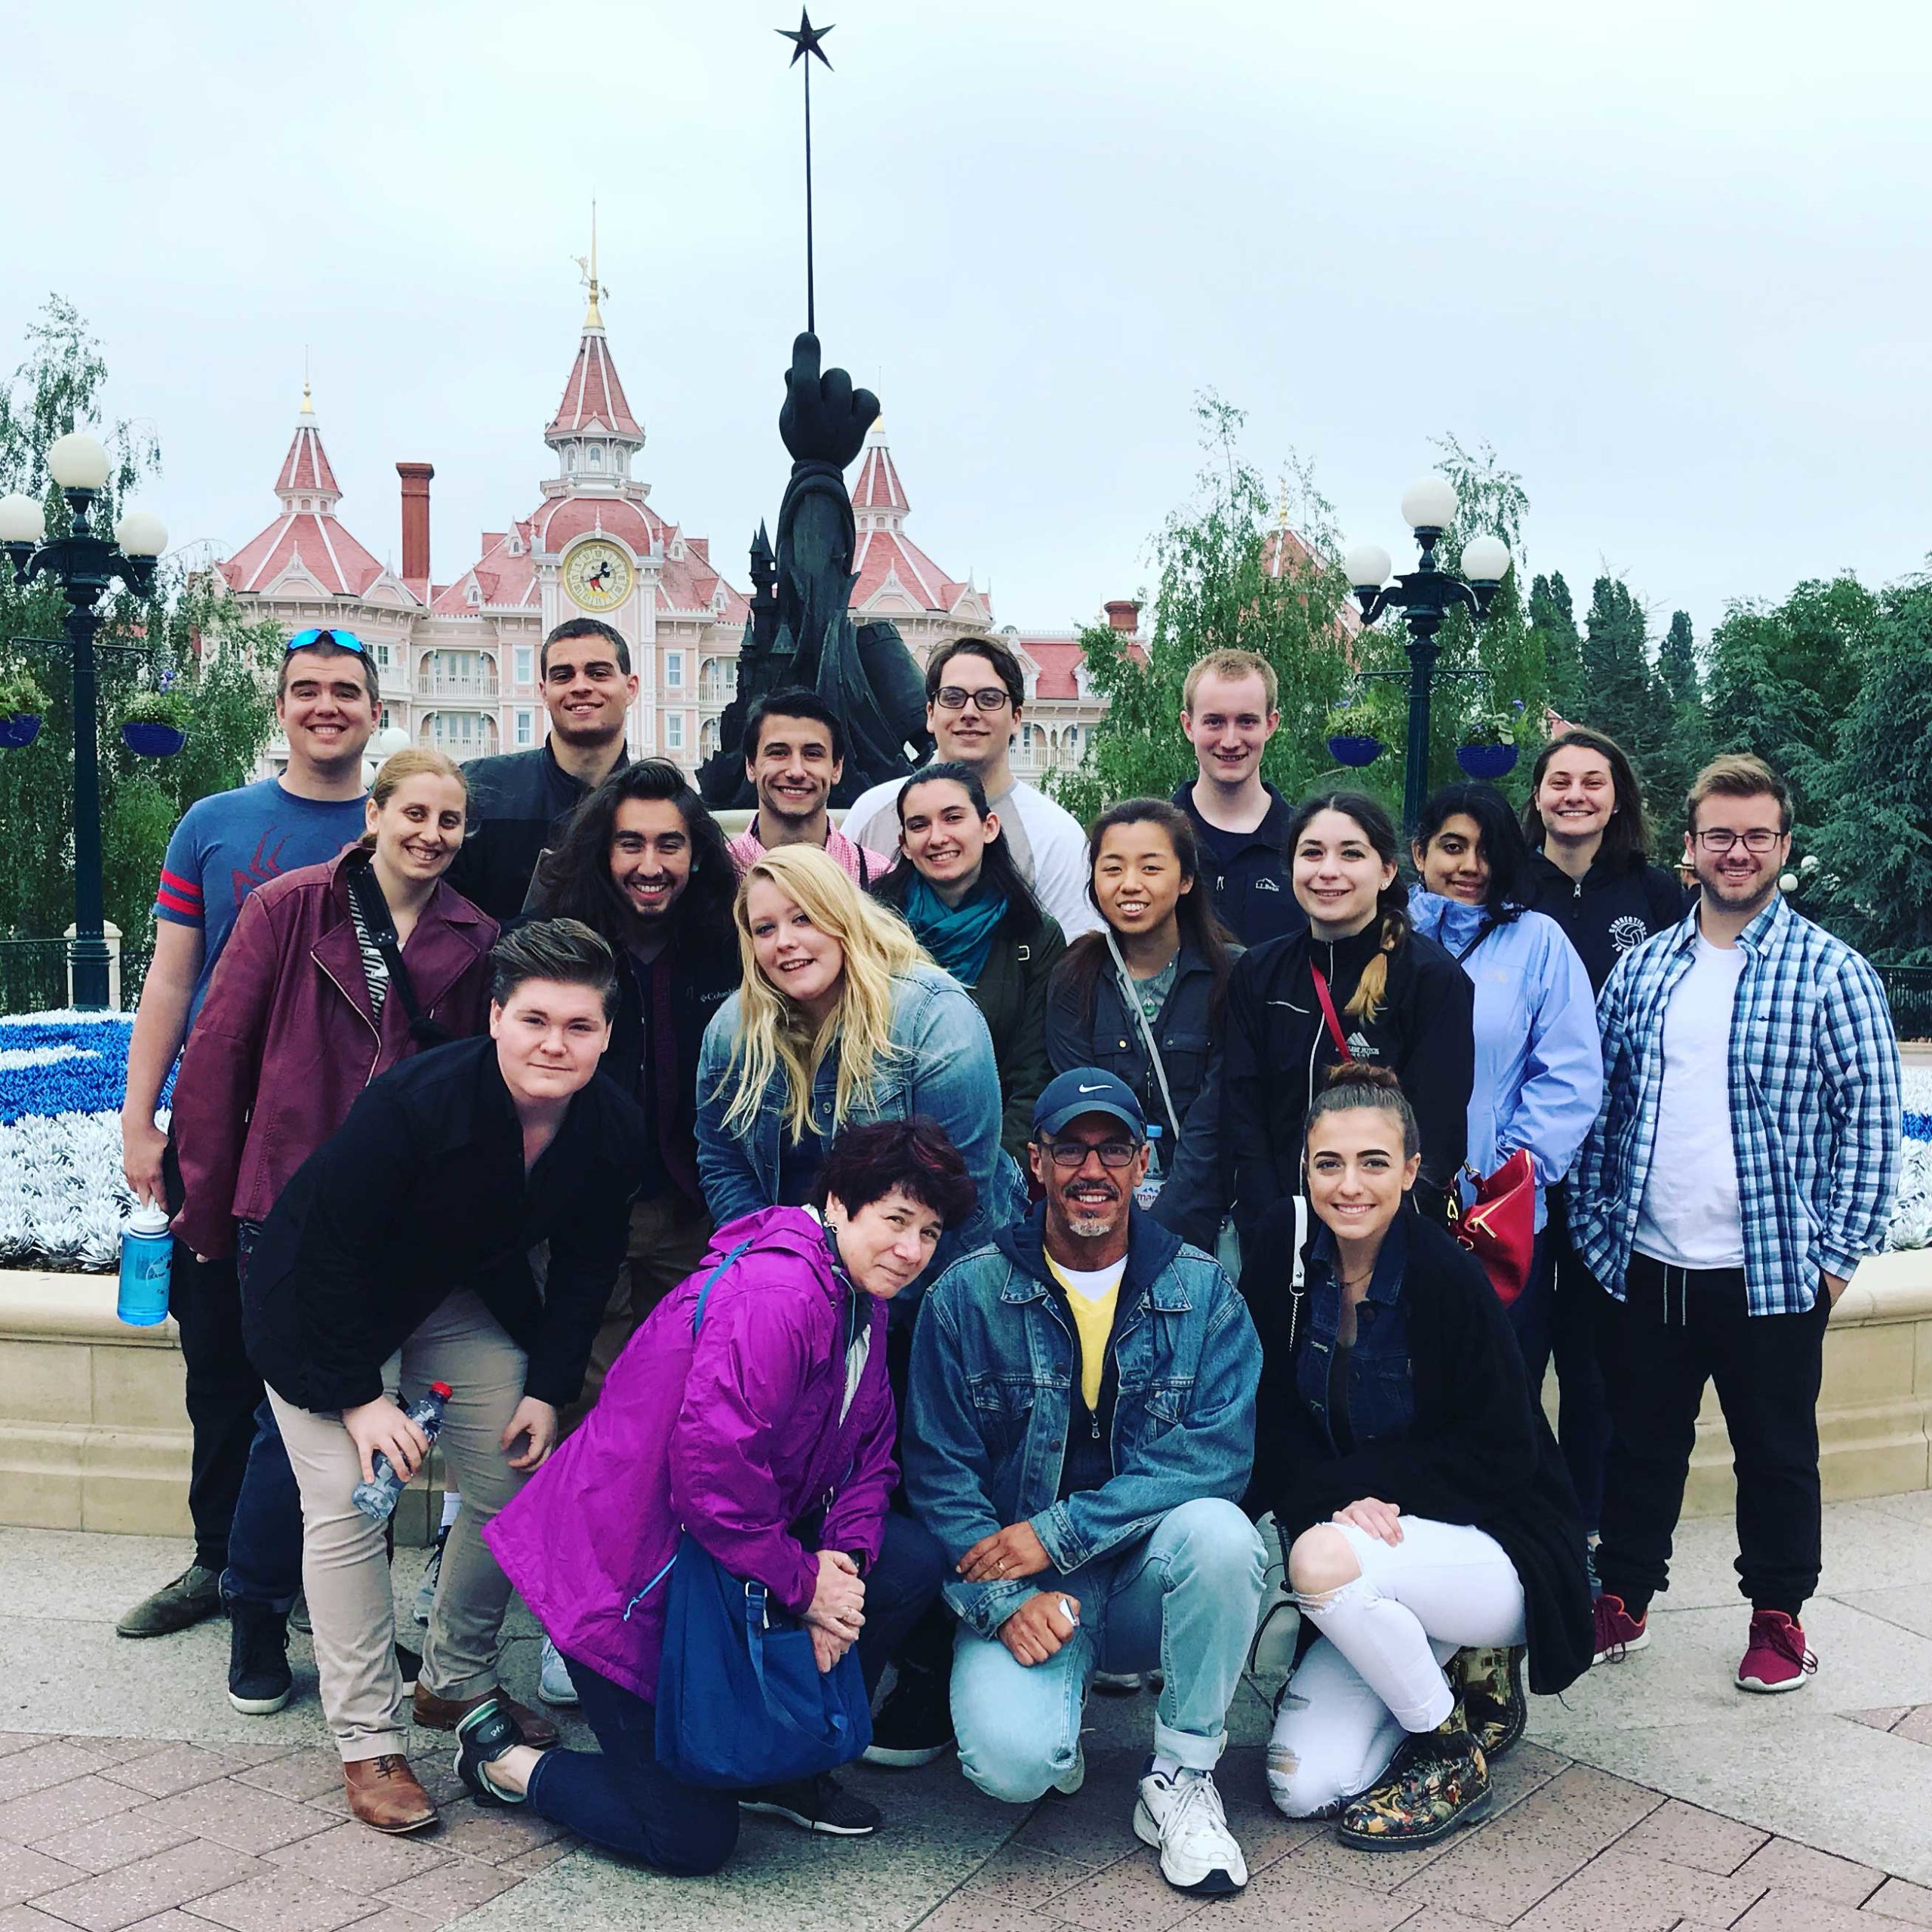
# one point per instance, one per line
(954, 697)
(1720, 839)
(1069, 1155)
(341, 640)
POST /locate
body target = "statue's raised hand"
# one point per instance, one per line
(825, 419)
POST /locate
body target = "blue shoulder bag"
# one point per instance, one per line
(741, 1700)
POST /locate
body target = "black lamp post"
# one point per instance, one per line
(84, 565)
(1425, 596)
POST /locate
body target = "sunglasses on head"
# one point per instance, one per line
(341, 640)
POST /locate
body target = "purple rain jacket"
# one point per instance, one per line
(734, 1435)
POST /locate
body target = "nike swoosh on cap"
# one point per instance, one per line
(1101, 1089)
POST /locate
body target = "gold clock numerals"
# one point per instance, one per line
(598, 576)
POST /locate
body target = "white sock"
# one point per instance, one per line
(1166, 1767)
(452, 1503)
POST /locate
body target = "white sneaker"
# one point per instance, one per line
(1182, 1818)
(553, 1681)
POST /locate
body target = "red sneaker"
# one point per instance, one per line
(1776, 1658)
(1618, 1632)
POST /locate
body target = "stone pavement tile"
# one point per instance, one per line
(278, 1902)
(1095, 1825)
(69, 1577)
(1797, 1867)
(354, 1859)
(1129, 1896)
(117, 1750)
(386, 1918)
(172, 1920)
(453, 1888)
(25, 1874)
(494, 1836)
(528, 1864)
(300, 1775)
(1685, 1835)
(11, 1741)
(237, 1815)
(1782, 1910)
(118, 1840)
(178, 1768)
(1282, 1900)
(1502, 1869)
(1899, 1898)
(119, 1898)
(1909, 1605)
(49, 1763)
(1881, 1719)
(1916, 1724)
(28, 1918)
(1637, 1893)
(60, 1807)
(1325, 1857)
(972, 1911)
(1439, 1918)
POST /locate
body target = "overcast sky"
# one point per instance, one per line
(1672, 260)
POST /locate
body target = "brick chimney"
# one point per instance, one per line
(1123, 614)
(415, 519)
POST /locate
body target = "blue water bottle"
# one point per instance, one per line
(147, 1249)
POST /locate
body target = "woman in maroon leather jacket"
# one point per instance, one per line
(303, 1010)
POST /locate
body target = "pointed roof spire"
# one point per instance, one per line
(879, 489)
(306, 473)
(593, 316)
(593, 402)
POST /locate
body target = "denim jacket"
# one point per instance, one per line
(1381, 1392)
(942, 1066)
(991, 1395)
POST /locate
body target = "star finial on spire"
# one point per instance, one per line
(806, 40)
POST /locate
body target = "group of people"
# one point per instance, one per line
(982, 1237)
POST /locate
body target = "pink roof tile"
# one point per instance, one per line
(878, 487)
(307, 465)
(593, 398)
(327, 552)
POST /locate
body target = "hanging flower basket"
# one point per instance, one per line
(1354, 748)
(20, 729)
(1486, 761)
(147, 740)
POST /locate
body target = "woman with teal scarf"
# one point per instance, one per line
(962, 895)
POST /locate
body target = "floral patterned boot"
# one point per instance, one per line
(1436, 1783)
(1489, 1681)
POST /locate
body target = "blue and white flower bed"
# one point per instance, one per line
(62, 1078)
(63, 1075)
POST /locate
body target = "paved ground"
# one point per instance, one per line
(1654, 1796)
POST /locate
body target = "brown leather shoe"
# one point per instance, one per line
(435, 1713)
(383, 1792)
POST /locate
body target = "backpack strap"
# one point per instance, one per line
(373, 910)
(1334, 1025)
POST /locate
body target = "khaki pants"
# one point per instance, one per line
(668, 1238)
(345, 1564)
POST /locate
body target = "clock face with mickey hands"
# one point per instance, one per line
(597, 575)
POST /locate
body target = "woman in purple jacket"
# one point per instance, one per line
(768, 1435)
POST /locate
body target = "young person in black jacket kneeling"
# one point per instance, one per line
(1417, 1490)
(397, 1256)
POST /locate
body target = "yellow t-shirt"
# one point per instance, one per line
(1091, 1297)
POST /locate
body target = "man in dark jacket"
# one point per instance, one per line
(406, 1237)
(519, 802)
(1229, 710)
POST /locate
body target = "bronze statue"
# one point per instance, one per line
(800, 630)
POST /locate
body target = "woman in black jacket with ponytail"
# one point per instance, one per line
(1399, 1001)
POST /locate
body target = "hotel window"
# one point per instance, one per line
(674, 731)
(526, 730)
(674, 670)
(526, 666)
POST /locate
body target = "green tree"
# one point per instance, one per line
(1553, 624)
(188, 635)
(1677, 658)
(1874, 846)
(1230, 578)
(1782, 678)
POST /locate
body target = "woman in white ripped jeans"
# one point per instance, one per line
(1433, 1543)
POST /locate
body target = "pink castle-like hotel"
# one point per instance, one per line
(458, 660)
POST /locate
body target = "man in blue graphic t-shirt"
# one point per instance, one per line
(328, 705)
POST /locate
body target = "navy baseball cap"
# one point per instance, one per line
(1087, 1090)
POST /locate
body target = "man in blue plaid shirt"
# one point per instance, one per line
(1745, 1157)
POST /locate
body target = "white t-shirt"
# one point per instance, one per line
(1090, 1284)
(1048, 845)
(1689, 1217)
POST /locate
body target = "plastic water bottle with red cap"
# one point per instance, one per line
(377, 1499)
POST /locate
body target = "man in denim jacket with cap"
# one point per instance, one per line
(1080, 1430)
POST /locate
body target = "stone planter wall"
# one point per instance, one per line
(94, 1435)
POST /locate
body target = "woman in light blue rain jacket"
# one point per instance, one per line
(1538, 1078)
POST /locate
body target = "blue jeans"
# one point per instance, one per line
(265, 1535)
(620, 1797)
(1186, 1599)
